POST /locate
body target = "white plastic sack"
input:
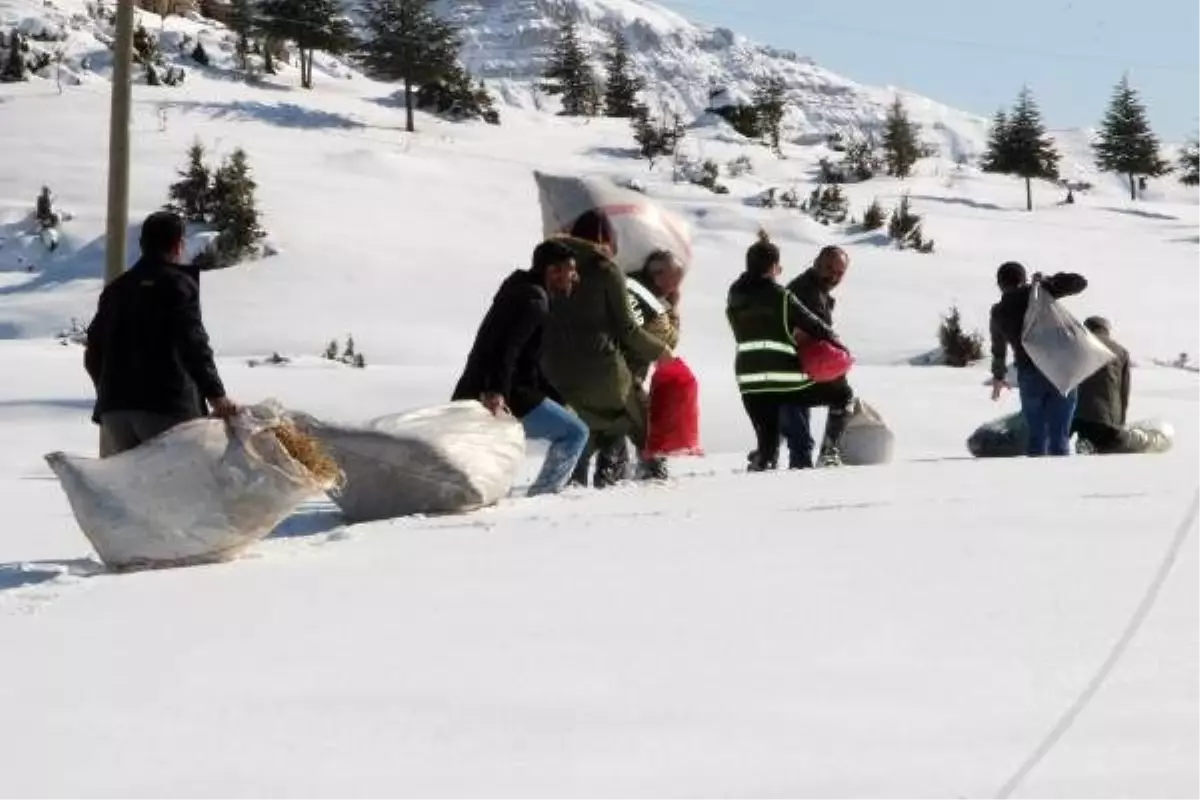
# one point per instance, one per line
(868, 440)
(445, 459)
(641, 226)
(199, 493)
(1059, 345)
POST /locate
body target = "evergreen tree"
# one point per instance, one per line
(569, 74)
(15, 69)
(900, 146)
(960, 349)
(200, 55)
(1029, 152)
(234, 209)
(459, 97)
(1126, 145)
(312, 24)
(1189, 163)
(145, 47)
(657, 137)
(997, 159)
(409, 43)
(862, 159)
(242, 23)
(873, 217)
(622, 86)
(770, 103)
(191, 194)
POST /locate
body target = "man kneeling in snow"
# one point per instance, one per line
(1104, 397)
(147, 350)
(503, 370)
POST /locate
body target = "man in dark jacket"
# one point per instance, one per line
(814, 290)
(148, 353)
(765, 318)
(589, 336)
(504, 371)
(1104, 397)
(1047, 412)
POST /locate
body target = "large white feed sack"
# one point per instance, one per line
(445, 459)
(868, 440)
(1059, 345)
(199, 493)
(641, 225)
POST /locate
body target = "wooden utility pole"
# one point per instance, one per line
(118, 144)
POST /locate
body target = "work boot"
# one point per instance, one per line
(830, 457)
(652, 469)
(612, 464)
(756, 463)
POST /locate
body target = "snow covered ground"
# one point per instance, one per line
(909, 630)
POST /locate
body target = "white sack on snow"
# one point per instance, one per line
(1059, 345)
(198, 493)
(445, 459)
(868, 440)
(641, 226)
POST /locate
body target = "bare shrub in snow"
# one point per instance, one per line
(742, 165)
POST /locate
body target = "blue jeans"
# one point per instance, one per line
(795, 425)
(567, 435)
(1047, 413)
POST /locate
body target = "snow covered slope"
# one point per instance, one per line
(913, 629)
(683, 63)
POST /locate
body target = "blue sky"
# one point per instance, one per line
(975, 55)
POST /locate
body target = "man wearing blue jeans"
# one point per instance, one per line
(504, 368)
(1047, 412)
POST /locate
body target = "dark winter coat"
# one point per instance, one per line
(654, 313)
(1104, 397)
(764, 317)
(147, 349)
(813, 296)
(588, 337)
(1008, 319)
(506, 356)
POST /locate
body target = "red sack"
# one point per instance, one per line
(674, 424)
(823, 362)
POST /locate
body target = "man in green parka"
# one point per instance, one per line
(585, 343)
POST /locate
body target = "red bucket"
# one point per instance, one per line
(674, 424)
(824, 362)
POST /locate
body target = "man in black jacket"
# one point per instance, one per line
(148, 353)
(765, 318)
(504, 370)
(814, 289)
(1047, 412)
(1104, 397)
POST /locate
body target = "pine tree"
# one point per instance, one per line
(960, 349)
(568, 72)
(312, 24)
(242, 23)
(900, 146)
(904, 228)
(200, 55)
(145, 47)
(861, 158)
(1189, 163)
(873, 217)
(997, 158)
(657, 137)
(770, 105)
(190, 196)
(1030, 152)
(234, 210)
(15, 70)
(1126, 145)
(621, 86)
(409, 43)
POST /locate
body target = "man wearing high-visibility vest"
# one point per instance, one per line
(766, 319)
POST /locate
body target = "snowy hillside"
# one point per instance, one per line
(915, 629)
(683, 63)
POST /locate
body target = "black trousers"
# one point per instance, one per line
(765, 411)
(1104, 438)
